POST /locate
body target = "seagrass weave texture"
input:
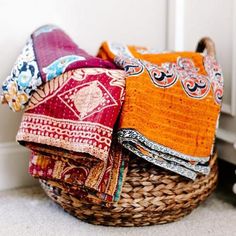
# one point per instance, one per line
(149, 196)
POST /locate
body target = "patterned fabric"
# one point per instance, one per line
(172, 106)
(99, 183)
(68, 124)
(76, 111)
(24, 78)
(48, 53)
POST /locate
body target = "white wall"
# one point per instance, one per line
(89, 23)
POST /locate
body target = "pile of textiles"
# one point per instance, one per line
(68, 121)
(84, 114)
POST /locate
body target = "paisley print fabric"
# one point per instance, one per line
(48, 53)
(194, 84)
(171, 108)
(216, 77)
(131, 66)
(164, 76)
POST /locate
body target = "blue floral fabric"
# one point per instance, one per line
(24, 78)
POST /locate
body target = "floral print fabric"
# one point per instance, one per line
(24, 79)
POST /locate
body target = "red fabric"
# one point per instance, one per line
(76, 111)
(69, 126)
(51, 43)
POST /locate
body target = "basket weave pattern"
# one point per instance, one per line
(149, 196)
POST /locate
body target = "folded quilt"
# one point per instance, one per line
(68, 124)
(48, 53)
(97, 183)
(75, 112)
(171, 108)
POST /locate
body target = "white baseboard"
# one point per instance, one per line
(14, 166)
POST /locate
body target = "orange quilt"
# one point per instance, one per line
(171, 108)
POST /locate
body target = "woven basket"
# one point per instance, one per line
(150, 195)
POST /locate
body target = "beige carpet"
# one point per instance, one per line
(28, 211)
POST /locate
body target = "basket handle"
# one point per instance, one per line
(207, 44)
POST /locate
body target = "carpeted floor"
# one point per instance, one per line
(28, 211)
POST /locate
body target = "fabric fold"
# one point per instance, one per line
(171, 108)
(72, 101)
(76, 111)
(100, 182)
(48, 53)
(68, 124)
